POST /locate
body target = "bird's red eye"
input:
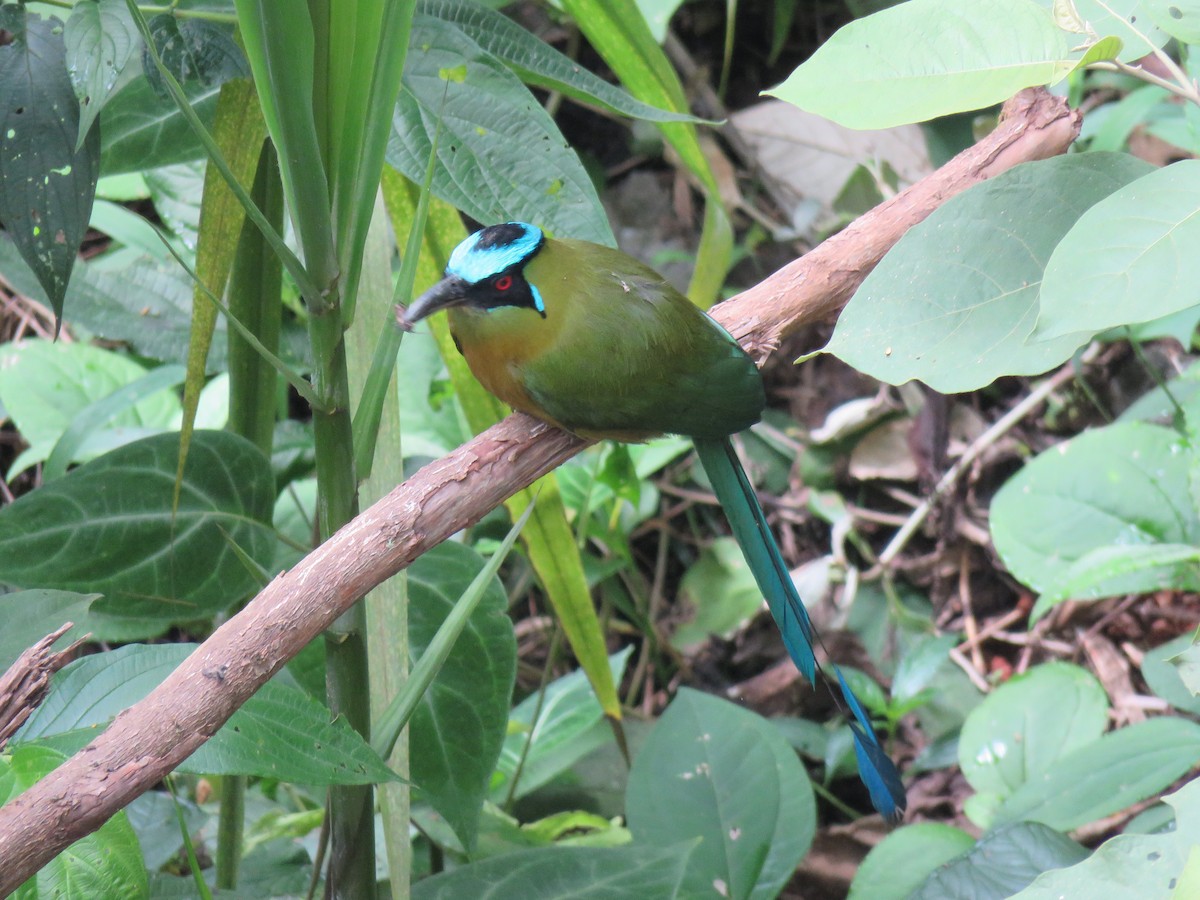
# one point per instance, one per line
(503, 283)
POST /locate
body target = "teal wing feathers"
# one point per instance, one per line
(749, 526)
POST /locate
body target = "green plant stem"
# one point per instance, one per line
(255, 284)
(352, 831)
(230, 826)
(551, 659)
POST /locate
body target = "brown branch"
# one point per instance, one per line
(151, 738)
(25, 685)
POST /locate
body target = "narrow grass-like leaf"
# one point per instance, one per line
(540, 64)
(295, 268)
(280, 45)
(294, 378)
(619, 33)
(456, 733)
(369, 410)
(238, 131)
(434, 657)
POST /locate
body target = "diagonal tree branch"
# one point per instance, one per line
(151, 738)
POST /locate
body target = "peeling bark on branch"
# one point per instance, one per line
(148, 740)
(25, 685)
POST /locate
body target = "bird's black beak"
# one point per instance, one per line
(448, 292)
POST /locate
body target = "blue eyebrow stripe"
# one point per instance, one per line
(474, 263)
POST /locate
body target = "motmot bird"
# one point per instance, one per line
(591, 340)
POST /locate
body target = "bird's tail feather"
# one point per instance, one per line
(749, 525)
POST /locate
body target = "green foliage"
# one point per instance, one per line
(106, 863)
(715, 771)
(1110, 512)
(1008, 278)
(960, 326)
(585, 873)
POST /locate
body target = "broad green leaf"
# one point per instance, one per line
(720, 592)
(1178, 18)
(1001, 864)
(569, 726)
(1128, 259)
(581, 873)
(1028, 724)
(658, 15)
(101, 40)
(501, 155)
(713, 770)
(1120, 485)
(539, 64)
(1130, 21)
(175, 191)
(283, 734)
(1160, 669)
(1122, 117)
(955, 302)
(131, 234)
(108, 527)
(141, 130)
(928, 58)
(457, 731)
(898, 864)
(280, 733)
(920, 664)
(155, 820)
(194, 51)
(1146, 866)
(145, 304)
(1089, 576)
(106, 863)
(1187, 664)
(46, 184)
(28, 616)
(88, 420)
(1098, 779)
(46, 385)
